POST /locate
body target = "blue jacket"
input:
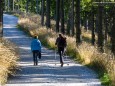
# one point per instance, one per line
(35, 45)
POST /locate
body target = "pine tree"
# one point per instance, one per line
(77, 22)
(113, 32)
(92, 26)
(27, 1)
(1, 18)
(37, 9)
(42, 13)
(48, 13)
(72, 20)
(100, 29)
(62, 17)
(57, 15)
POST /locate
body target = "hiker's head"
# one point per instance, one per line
(35, 37)
(60, 35)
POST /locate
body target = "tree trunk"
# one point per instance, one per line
(113, 33)
(57, 15)
(68, 22)
(100, 29)
(62, 17)
(85, 20)
(37, 9)
(48, 13)
(18, 6)
(106, 27)
(8, 5)
(78, 30)
(42, 15)
(27, 1)
(1, 18)
(13, 5)
(92, 26)
(5, 4)
(72, 20)
(68, 26)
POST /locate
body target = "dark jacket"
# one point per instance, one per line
(61, 42)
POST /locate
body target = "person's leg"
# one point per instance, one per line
(34, 57)
(59, 51)
(39, 55)
(60, 54)
(64, 52)
(61, 61)
(36, 61)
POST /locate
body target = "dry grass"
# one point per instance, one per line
(8, 58)
(87, 53)
(87, 35)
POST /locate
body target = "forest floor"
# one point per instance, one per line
(48, 72)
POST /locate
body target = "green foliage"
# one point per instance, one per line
(86, 5)
(53, 8)
(105, 79)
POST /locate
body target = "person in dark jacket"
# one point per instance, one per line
(61, 44)
(36, 49)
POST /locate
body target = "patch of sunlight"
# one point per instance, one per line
(17, 37)
(9, 26)
(54, 84)
(25, 48)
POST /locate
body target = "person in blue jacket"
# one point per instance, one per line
(36, 49)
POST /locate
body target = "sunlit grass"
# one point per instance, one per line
(8, 59)
(87, 35)
(84, 53)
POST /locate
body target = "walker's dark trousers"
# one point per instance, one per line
(36, 53)
(61, 50)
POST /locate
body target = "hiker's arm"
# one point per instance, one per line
(31, 46)
(56, 41)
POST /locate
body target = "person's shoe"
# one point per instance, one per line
(39, 57)
(36, 63)
(62, 64)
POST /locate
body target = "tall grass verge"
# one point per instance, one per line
(8, 60)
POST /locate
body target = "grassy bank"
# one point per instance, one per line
(8, 60)
(86, 54)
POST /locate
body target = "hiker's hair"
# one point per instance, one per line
(60, 35)
(35, 37)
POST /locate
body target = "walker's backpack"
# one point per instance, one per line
(62, 42)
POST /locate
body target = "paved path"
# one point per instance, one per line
(48, 72)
